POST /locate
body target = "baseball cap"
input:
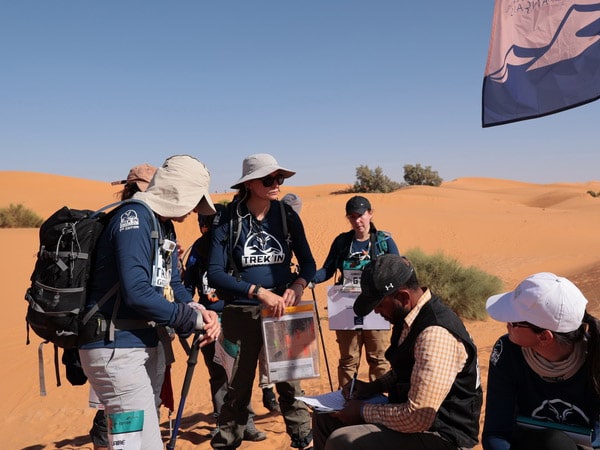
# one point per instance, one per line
(140, 175)
(258, 166)
(384, 276)
(358, 205)
(545, 300)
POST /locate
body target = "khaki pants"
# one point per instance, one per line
(351, 342)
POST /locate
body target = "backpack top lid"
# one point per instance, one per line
(208, 220)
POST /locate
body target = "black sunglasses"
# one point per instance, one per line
(269, 180)
(526, 325)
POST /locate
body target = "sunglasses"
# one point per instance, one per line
(526, 325)
(269, 180)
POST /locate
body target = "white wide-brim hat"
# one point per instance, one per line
(258, 166)
(179, 186)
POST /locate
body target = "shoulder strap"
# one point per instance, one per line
(284, 224)
(379, 245)
(235, 229)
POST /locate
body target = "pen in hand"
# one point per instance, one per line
(352, 385)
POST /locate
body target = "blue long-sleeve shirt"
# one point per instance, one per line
(125, 253)
(262, 255)
(344, 244)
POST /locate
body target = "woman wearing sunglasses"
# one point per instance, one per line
(350, 253)
(250, 266)
(543, 387)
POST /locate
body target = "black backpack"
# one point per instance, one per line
(57, 295)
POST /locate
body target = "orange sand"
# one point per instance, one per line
(510, 229)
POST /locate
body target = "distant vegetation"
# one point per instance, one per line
(421, 176)
(464, 289)
(368, 180)
(594, 194)
(17, 216)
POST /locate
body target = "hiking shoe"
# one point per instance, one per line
(302, 443)
(253, 434)
(269, 400)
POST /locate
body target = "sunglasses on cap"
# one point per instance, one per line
(270, 179)
(526, 325)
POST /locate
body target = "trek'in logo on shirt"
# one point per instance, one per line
(129, 220)
(261, 249)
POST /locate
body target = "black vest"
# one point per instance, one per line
(457, 419)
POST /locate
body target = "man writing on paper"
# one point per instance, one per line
(434, 388)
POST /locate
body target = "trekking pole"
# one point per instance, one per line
(322, 340)
(187, 381)
(185, 345)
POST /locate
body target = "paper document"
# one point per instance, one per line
(334, 401)
(290, 344)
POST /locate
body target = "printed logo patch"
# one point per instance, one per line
(129, 220)
(559, 411)
(496, 353)
(261, 249)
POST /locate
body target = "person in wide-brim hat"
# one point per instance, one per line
(268, 235)
(258, 166)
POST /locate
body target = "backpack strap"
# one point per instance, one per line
(235, 229)
(286, 233)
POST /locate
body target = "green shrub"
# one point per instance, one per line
(464, 289)
(368, 180)
(423, 176)
(17, 216)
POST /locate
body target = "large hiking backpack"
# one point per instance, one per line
(57, 295)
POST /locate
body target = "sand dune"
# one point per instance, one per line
(507, 228)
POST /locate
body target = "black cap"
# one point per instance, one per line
(358, 205)
(384, 276)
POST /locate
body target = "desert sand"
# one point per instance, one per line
(507, 228)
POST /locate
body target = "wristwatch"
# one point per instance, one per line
(256, 290)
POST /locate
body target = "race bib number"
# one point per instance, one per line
(125, 430)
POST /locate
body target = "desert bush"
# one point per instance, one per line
(464, 289)
(594, 194)
(368, 180)
(423, 176)
(17, 216)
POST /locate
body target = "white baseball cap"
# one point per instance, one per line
(545, 300)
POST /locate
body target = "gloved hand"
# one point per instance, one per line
(207, 321)
(186, 320)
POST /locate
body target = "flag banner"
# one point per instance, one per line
(544, 57)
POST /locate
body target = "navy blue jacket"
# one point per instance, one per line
(514, 389)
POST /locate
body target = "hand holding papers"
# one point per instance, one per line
(352, 385)
(334, 401)
(290, 343)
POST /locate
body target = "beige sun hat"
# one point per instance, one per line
(179, 186)
(260, 165)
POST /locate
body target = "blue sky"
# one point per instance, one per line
(91, 88)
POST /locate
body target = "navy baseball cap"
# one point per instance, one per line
(358, 205)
